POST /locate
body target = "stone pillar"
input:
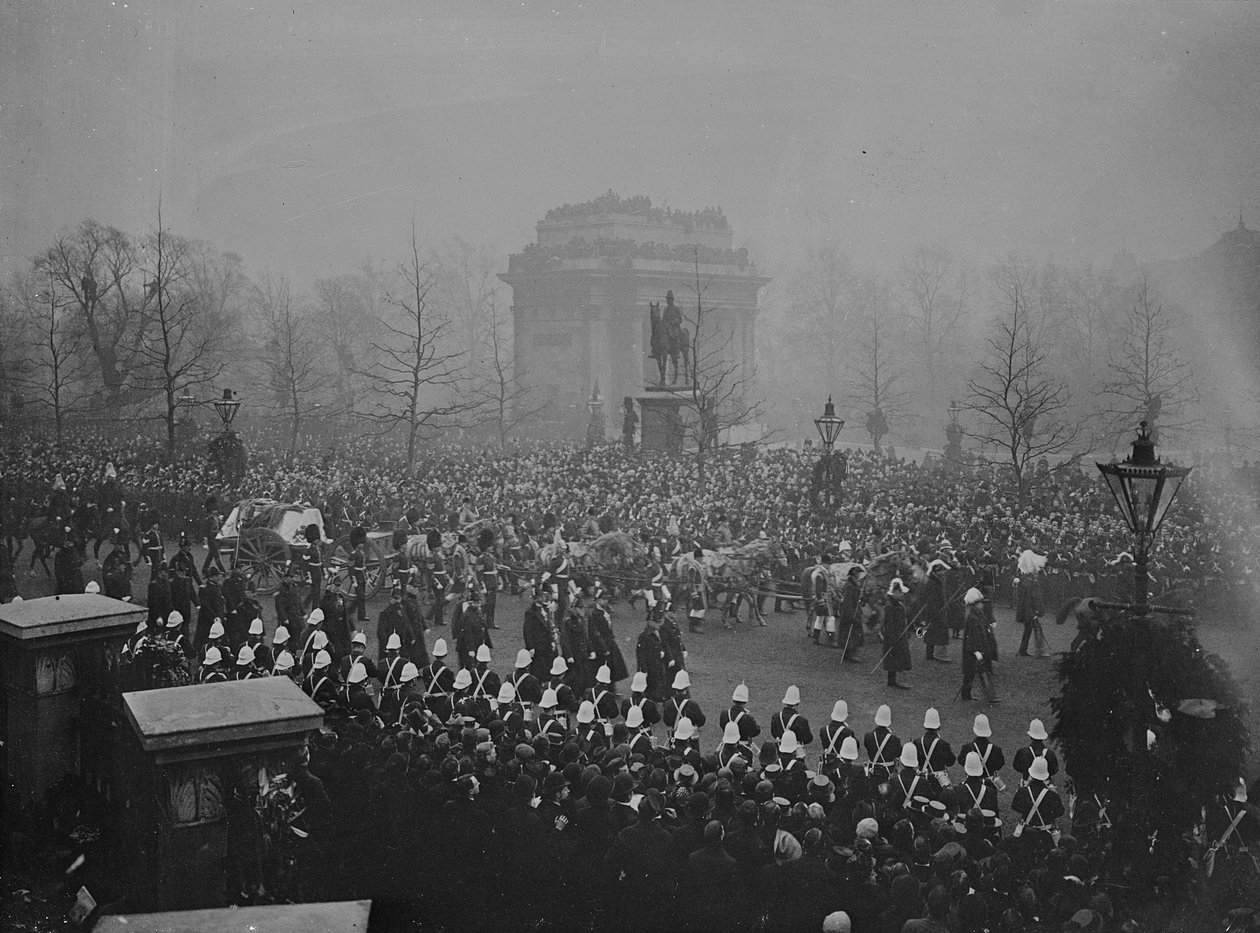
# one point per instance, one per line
(197, 752)
(59, 658)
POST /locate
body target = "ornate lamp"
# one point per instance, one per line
(227, 407)
(829, 426)
(1143, 488)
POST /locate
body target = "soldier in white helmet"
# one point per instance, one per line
(284, 665)
(1036, 748)
(733, 746)
(526, 686)
(603, 696)
(212, 667)
(639, 700)
(790, 719)
(738, 713)
(1037, 802)
(640, 733)
(936, 756)
(320, 684)
(411, 699)
(882, 745)
(245, 667)
(833, 735)
(438, 683)
(358, 655)
(681, 705)
(390, 674)
(991, 757)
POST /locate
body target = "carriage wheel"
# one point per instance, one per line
(341, 566)
(262, 555)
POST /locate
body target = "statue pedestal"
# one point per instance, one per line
(661, 425)
(59, 666)
(197, 754)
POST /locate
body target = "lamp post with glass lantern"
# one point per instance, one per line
(828, 472)
(1144, 488)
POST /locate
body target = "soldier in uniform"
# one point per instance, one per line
(881, 744)
(408, 699)
(159, 595)
(911, 791)
(1037, 802)
(307, 646)
(488, 572)
(833, 735)
(353, 695)
(358, 655)
(977, 791)
(526, 687)
(671, 637)
(935, 755)
(819, 610)
(264, 660)
(896, 634)
(152, 548)
(733, 746)
(116, 573)
(313, 564)
(850, 622)
(640, 733)
(991, 757)
(211, 670)
(639, 700)
(438, 682)
(652, 659)
(1035, 749)
(541, 639)
(289, 609)
(979, 646)
(212, 606)
(438, 577)
(738, 713)
(393, 621)
(245, 666)
(682, 706)
(486, 682)
(211, 522)
(469, 629)
(590, 730)
(175, 632)
(390, 674)
(184, 562)
(685, 739)
(853, 784)
(931, 609)
(603, 641)
(319, 684)
(790, 719)
(603, 696)
(358, 571)
(335, 613)
(245, 612)
(558, 682)
(283, 666)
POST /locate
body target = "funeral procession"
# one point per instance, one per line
(397, 533)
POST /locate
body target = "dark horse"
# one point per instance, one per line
(670, 340)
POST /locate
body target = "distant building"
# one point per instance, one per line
(581, 294)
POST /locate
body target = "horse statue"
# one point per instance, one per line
(671, 341)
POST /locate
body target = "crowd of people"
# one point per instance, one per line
(1207, 541)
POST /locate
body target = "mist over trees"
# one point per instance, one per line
(133, 327)
(1095, 351)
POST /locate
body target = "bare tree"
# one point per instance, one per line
(505, 399)
(819, 302)
(290, 354)
(415, 381)
(56, 362)
(936, 292)
(97, 268)
(341, 322)
(469, 292)
(1018, 406)
(1151, 381)
(876, 375)
(184, 340)
(721, 392)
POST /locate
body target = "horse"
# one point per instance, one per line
(670, 341)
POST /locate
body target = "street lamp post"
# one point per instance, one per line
(595, 427)
(1143, 488)
(226, 408)
(827, 471)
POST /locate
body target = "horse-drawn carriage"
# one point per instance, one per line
(263, 539)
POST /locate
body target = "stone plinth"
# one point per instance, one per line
(59, 666)
(331, 917)
(661, 423)
(198, 751)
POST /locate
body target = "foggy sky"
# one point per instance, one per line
(306, 136)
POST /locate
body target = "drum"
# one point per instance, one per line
(937, 808)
